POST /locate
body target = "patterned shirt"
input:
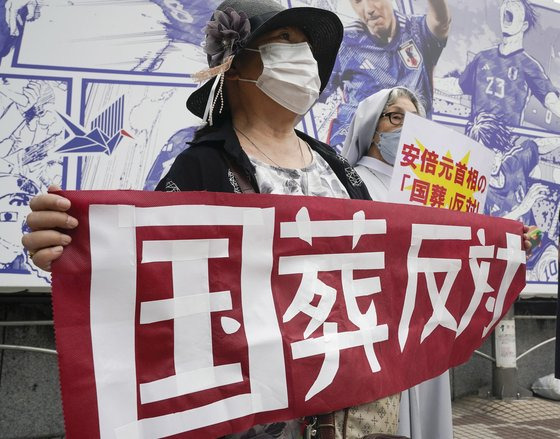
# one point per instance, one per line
(502, 84)
(317, 179)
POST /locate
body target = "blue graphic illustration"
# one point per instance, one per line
(13, 15)
(502, 79)
(185, 19)
(494, 62)
(161, 37)
(521, 185)
(174, 146)
(383, 48)
(17, 191)
(104, 137)
(30, 129)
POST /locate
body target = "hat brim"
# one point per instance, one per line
(323, 29)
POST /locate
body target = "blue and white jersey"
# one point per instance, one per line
(502, 84)
(364, 66)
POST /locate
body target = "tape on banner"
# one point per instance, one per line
(184, 306)
(481, 281)
(305, 229)
(482, 252)
(431, 232)
(338, 340)
(180, 422)
(366, 286)
(491, 304)
(375, 334)
(256, 402)
(190, 382)
(512, 255)
(329, 262)
(184, 250)
(439, 265)
(361, 287)
(127, 216)
(358, 227)
(254, 217)
(303, 226)
(132, 430)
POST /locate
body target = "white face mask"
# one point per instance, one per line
(290, 75)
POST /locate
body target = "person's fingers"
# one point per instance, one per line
(49, 219)
(54, 187)
(44, 258)
(49, 202)
(36, 241)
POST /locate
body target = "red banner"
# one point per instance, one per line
(201, 314)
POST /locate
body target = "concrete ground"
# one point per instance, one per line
(485, 418)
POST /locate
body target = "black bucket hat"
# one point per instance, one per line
(323, 28)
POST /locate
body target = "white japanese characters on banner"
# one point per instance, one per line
(439, 167)
(203, 314)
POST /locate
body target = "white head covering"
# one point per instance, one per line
(363, 125)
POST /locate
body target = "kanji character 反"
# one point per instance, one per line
(429, 266)
(458, 202)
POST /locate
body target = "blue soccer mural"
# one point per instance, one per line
(103, 106)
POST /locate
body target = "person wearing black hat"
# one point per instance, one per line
(267, 66)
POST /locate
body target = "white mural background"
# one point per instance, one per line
(72, 69)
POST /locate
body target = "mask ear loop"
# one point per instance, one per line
(373, 142)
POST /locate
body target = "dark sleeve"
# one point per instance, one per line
(539, 83)
(467, 80)
(335, 80)
(519, 161)
(199, 168)
(430, 46)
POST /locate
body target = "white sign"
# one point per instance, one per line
(439, 167)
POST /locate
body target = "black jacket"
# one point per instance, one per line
(206, 165)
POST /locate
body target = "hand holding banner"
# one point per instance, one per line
(202, 314)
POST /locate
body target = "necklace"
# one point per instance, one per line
(302, 170)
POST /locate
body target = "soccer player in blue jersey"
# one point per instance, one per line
(384, 49)
(514, 190)
(501, 79)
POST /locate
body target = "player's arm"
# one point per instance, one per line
(552, 102)
(537, 191)
(438, 18)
